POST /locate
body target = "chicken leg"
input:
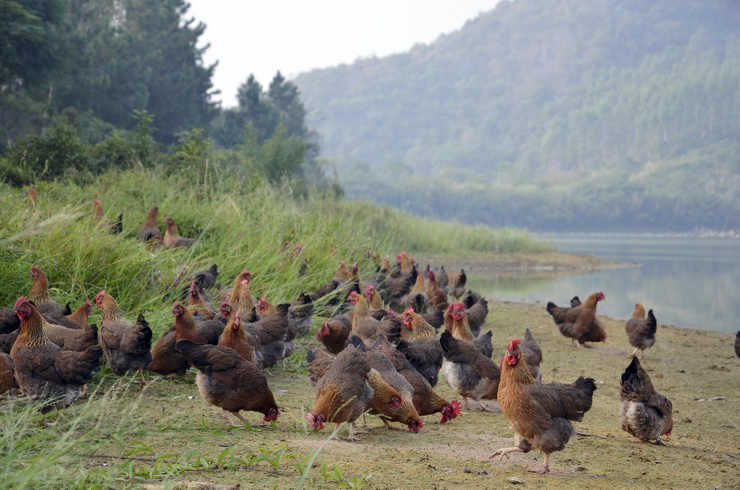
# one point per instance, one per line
(634, 353)
(505, 452)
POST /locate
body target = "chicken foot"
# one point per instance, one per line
(634, 353)
(232, 422)
(504, 451)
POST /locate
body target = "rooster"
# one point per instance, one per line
(579, 323)
(172, 237)
(641, 330)
(150, 230)
(230, 382)
(540, 413)
(127, 346)
(644, 413)
(42, 369)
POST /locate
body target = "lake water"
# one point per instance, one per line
(689, 282)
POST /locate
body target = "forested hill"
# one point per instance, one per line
(554, 115)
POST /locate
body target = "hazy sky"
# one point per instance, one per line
(294, 36)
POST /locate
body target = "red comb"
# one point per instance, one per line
(20, 301)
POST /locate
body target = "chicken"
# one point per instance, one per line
(476, 313)
(457, 283)
(300, 317)
(33, 197)
(373, 298)
(437, 296)
(334, 334)
(115, 227)
(242, 298)
(272, 335)
(467, 371)
(539, 413)
(150, 230)
(265, 307)
(40, 296)
(230, 382)
(426, 400)
(197, 304)
(80, 317)
(318, 363)
(578, 323)
(393, 289)
(368, 328)
(127, 346)
(737, 343)
(423, 351)
(8, 339)
(7, 373)
(641, 330)
(42, 369)
(172, 237)
(343, 392)
(206, 279)
(74, 339)
(166, 359)
(417, 297)
(456, 322)
(235, 337)
(392, 384)
(644, 413)
(8, 320)
(532, 354)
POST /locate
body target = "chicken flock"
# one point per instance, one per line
(382, 352)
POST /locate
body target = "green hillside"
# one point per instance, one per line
(568, 115)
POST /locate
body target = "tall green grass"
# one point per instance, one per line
(238, 223)
(236, 227)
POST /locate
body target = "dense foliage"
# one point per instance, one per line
(88, 85)
(580, 115)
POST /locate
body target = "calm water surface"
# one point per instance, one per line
(690, 282)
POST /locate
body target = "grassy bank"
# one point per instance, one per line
(238, 225)
(166, 433)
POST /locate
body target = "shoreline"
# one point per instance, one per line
(523, 262)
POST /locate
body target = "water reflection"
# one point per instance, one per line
(688, 282)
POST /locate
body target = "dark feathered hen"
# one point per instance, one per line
(423, 350)
(532, 354)
(644, 413)
(166, 359)
(467, 371)
(7, 373)
(127, 346)
(641, 330)
(737, 344)
(43, 370)
(172, 236)
(343, 392)
(540, 413)
(40, 296)
(150, 229)
(426, 400)
(579, 322)
(229, 381)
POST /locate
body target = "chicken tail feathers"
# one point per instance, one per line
(652, 323)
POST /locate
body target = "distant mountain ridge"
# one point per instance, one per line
(536, 99)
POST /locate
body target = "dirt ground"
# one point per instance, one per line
(696, 369)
